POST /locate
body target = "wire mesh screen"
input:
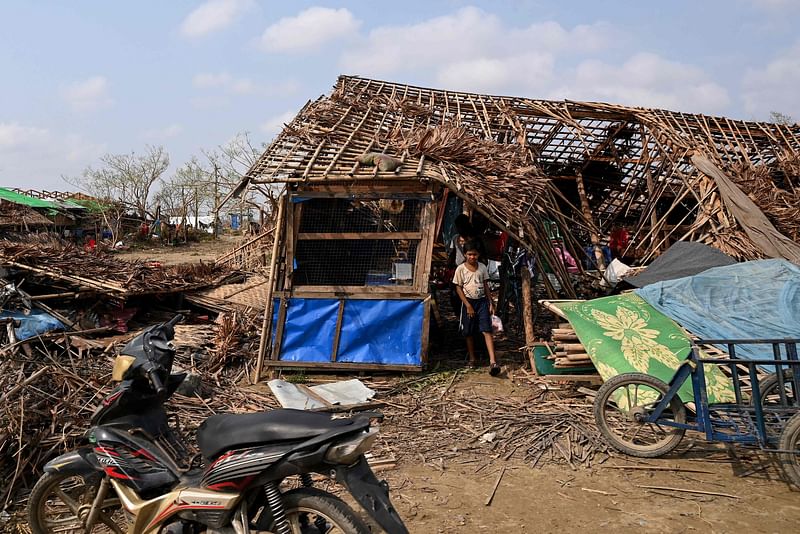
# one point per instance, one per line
(329, 254)
(358, 215)
(355, 262)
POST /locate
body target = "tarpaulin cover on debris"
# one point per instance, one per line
(32, 323)
(751, 300)
(624, 334)
(684, 258)
(373, 331)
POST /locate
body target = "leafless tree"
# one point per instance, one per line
(232, 160)
(128, 178)
(780, 118)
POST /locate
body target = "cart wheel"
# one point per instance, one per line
(790, 441)
(623, 401)
(770, 395)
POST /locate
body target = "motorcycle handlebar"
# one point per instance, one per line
(155, 380)
(175, 320)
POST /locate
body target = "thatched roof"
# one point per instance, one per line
(584, 165)
(20, 216)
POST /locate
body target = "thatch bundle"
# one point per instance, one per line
(776, 191)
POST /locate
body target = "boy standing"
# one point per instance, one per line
(472, 285)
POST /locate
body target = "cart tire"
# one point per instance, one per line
(769, 389)
(790, 441)
(607, 414)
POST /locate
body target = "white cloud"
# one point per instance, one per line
(646, 80)
(449, 44)
(88, 94)
(275, 124)
(161, 134)
(475, 50)
(36, 157)
(510, 75)
(243, 86)
(80, 150)
(212, 16)
(15, 136)
(774, 87)
(774, 5)
(308, 30)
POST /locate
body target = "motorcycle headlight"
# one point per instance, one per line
(121, 365)
(347, 452)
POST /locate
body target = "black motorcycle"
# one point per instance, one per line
(135, 475)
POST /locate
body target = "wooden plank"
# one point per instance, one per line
(305, 236)
(343, 366)
(338, 334)
(266, 325)
(426, 323)
(422, 269)
(591, 379)
(527, 315)
(278, 341)
(392, 291)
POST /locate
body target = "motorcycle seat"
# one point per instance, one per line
(224, 432)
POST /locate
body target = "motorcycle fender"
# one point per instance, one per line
(372, 494)
(78, 462)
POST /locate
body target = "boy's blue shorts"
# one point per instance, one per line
(480, 322)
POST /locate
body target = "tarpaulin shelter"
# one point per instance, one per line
(682, 259)
(382, 150)
(750, 300)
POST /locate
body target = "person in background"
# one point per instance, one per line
(472, 285)
(566, 258)
(464, 232)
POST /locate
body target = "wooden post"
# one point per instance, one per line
(266, 326)
(527, 312)
(587, 214)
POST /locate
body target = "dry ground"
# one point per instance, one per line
(192, 252)
(451, 496)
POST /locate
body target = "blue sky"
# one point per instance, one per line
(84, 78)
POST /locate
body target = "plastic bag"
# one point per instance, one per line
(497, 324)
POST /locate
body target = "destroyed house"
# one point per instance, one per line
(370, 173)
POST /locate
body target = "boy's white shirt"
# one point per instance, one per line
(471, 282)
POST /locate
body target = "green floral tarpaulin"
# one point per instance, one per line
(624, 334)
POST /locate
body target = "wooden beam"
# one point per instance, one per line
(527, 313)
(266, 325)
(306, 236)
(344, 366)
(338, 334)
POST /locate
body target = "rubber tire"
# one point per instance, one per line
(38, 493)
(330, 505)
(678, 409)
(771, 383)
(790, 441)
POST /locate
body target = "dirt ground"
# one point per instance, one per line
(192, 252)
(452, 496)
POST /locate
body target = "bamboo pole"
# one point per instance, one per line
(266, 326)
(527, 314)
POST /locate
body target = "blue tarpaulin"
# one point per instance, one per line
(751, 300)
(373, 331)
(33, 324)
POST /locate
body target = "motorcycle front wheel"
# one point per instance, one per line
(311, 511)
(61, 502)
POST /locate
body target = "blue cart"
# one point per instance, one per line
(642, 416)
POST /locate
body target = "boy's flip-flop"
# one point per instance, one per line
(494, 369)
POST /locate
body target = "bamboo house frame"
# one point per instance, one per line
(530, 166)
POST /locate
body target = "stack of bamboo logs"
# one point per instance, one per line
(568, 351)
